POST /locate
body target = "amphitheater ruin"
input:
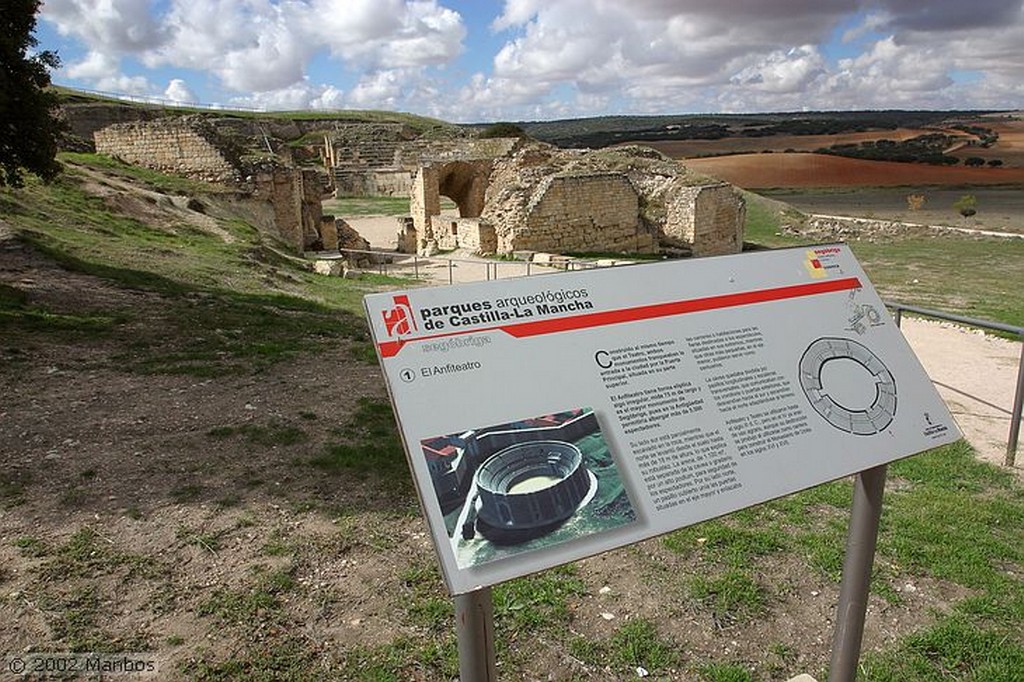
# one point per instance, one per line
(513, 196)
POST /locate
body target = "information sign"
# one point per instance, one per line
(554, 417)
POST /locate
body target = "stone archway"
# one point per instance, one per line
(465, 183)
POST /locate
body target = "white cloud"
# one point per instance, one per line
(128, 85)
(112, 26)
(662, 52)
(383, 34)
(782, 72)
(179, 92)
(380, 90)
(248, 44)
(672, 55)
(329, 98)
(295, 97)
(264, 45)
(94, 66)
(562, 57)
(915, 15)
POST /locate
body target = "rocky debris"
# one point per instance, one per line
(348, 238)
(847, 228)
(331, 267)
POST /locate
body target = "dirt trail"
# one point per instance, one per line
(976, 375)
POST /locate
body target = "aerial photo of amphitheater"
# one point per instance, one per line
(523, 485)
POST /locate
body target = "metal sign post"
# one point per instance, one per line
(853, 592)
(474, 625)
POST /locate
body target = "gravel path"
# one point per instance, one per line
(975, 374)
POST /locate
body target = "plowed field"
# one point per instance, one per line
(764, 171)
(684, 149)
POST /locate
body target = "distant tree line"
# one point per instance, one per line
(928, 148)
(609, 130)
(986, 136)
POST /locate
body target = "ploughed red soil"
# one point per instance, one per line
(763, 171)
(684, 149)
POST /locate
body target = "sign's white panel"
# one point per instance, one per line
(554, 417)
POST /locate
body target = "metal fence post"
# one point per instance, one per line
(861, 539)
(898, 316)
(450, 273)
(1018, 399)
(474, 625)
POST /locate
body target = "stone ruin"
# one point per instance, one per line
(192, 147)
(382, 159)
(185, 146)
(512, 195)
(540, 198)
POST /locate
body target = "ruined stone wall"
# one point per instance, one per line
(579, 213)
(464, 233)
(709, 218)
(538, 198)
(295, 198)
(188, 147)
(424, 203)
(827, 228)
(369, 167)
(368, 145)
(352, 181)
(392, 183)
(418, 152)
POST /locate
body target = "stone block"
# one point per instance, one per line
(329, 235)
(333, 267)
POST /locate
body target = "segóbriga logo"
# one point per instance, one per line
(814, 266)
(399, 320)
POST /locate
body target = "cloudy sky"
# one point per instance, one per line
(480, 60)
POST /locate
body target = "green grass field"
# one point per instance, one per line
(977, 277)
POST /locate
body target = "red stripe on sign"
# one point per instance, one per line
(649, 312)
(390, 349)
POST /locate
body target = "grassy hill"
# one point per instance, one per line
(87, 113)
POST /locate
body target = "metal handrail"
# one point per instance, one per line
(164, 102)
(1018, 396)
(491, 266)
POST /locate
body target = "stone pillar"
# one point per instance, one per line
(406, 235)
(309, 191)
(328, 233)
(424, 204)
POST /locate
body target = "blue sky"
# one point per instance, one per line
(543, 59)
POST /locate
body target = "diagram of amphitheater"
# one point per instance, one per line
(848, 385)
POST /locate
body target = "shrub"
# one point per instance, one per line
(915, 202)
